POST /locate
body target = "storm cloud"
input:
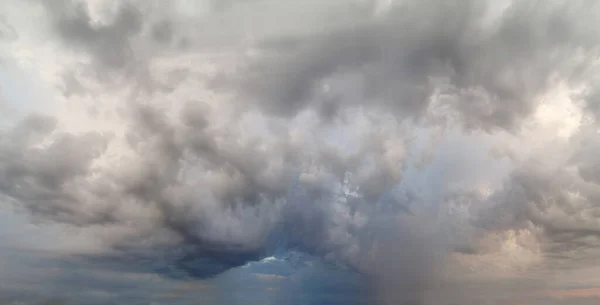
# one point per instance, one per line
(420, 144)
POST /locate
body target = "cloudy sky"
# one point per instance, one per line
(300, 152)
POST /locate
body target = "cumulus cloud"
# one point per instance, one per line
(487, 66)
(405, 140)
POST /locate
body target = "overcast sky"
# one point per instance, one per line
(278, 151)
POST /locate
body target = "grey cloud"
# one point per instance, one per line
(592, 101)
(253, 184)
(37, 177)
(162, 31)
(489, 75)
(194, 185)
(221, 224)
(559, 208)
(108, 43)
(7, 32)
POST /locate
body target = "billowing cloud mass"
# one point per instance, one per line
(428, 146)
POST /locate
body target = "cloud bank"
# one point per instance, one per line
(422, 144)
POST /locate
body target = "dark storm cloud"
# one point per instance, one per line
(194, 185)
(219, 228)
(489, 74)
(58, 182)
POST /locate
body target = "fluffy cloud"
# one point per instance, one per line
(426, 136)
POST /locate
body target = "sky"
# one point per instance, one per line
(299, 152)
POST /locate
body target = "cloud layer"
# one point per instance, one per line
(411, 142)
